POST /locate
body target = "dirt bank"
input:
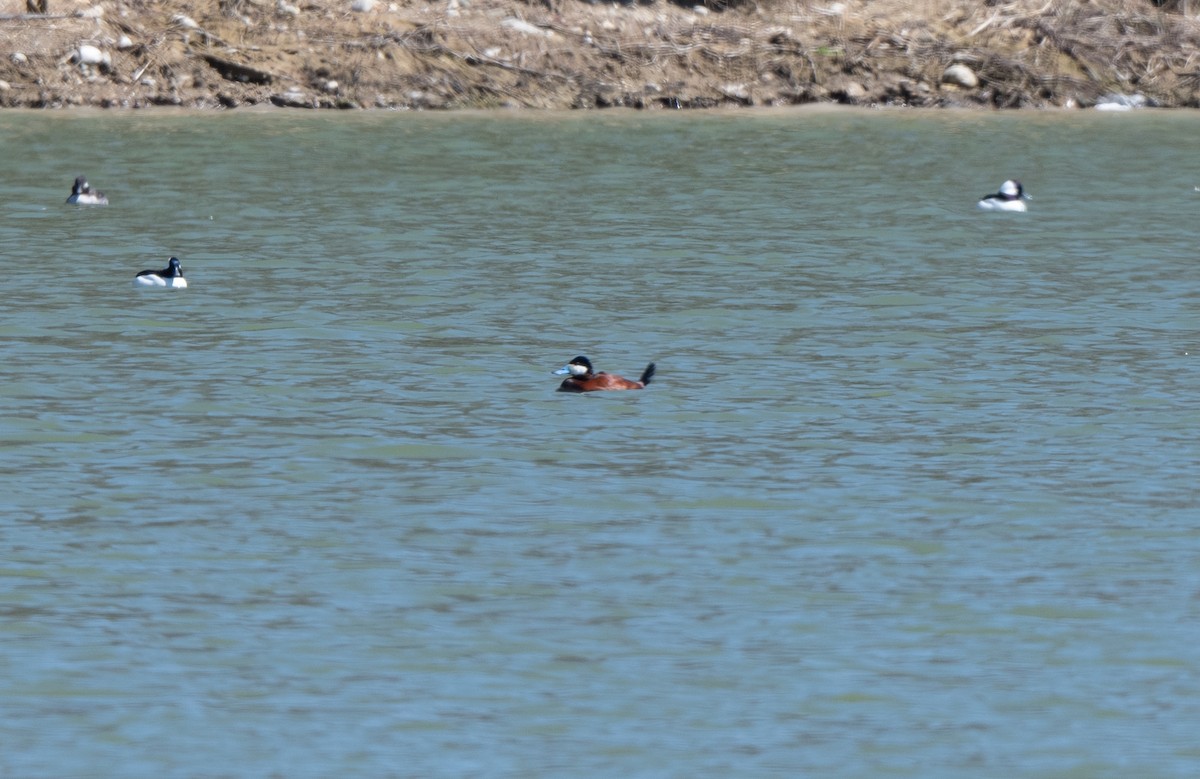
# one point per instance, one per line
(573, 54)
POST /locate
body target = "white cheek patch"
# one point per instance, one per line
(577, 370)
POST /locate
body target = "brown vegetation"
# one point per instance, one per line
(568, 53)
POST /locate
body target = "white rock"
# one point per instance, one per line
(735, 91)
(362, 6)
(1117, 102)
(124, 42)
(90, 55)
(5, 86)
(522, 26)
(185, 21)
(331, 86)
(854, 91)
(960, 75)
(287, 8)
(19, 58)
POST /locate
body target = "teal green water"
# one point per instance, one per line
(913, 494)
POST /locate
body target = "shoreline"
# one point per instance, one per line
(552, 114)
(569, 54)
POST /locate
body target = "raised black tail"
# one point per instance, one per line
(648, 374)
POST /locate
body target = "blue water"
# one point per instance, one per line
(913, 493)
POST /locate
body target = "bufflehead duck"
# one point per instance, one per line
(583, 379)
(170, 276)
(82, 194)
(1011, 197)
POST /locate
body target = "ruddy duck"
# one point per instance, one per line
(1011, 197)
(583, 379)
(82, 194)
(170, 276)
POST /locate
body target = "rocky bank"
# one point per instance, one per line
(412, 54)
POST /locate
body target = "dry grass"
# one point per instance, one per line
(559, 53)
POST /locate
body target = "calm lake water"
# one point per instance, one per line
(914, 493)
